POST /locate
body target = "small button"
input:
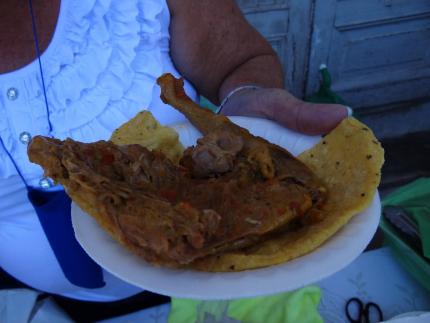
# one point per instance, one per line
(12, 94)
(25, 138)
(45, 183)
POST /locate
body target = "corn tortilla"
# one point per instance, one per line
(348, 160)
(144, 130)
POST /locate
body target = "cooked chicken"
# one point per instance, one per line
(230, 191)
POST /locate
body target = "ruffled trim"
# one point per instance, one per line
(89, 97)
(124, 36)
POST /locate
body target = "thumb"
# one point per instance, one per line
(312, 118)
(280, 106)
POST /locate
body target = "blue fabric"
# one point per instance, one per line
(54, 212)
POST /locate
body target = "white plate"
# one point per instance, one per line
(410, 317)
(335, 254)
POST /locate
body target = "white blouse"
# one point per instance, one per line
(100, 69)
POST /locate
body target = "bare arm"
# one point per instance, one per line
(215, 48)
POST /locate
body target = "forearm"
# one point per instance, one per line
(215, 48)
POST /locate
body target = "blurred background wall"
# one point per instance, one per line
(377, 52)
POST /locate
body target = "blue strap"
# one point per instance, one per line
(37, 47)
(54, 212)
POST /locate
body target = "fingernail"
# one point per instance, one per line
(350, 111)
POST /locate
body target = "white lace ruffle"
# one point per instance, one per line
(100, 70)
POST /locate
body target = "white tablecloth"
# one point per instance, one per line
(374, 276)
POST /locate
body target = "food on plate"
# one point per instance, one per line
(348, 161)
(144, 130)
(234, 202)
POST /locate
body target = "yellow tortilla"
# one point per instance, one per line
(144, 130)
(349, 161)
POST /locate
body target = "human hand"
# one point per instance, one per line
(280, 106)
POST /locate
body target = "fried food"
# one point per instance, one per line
(349, 162)
(234, 202)
(230, 191)
(144, 130)
(266, 159)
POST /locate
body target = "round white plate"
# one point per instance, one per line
(335, 254)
